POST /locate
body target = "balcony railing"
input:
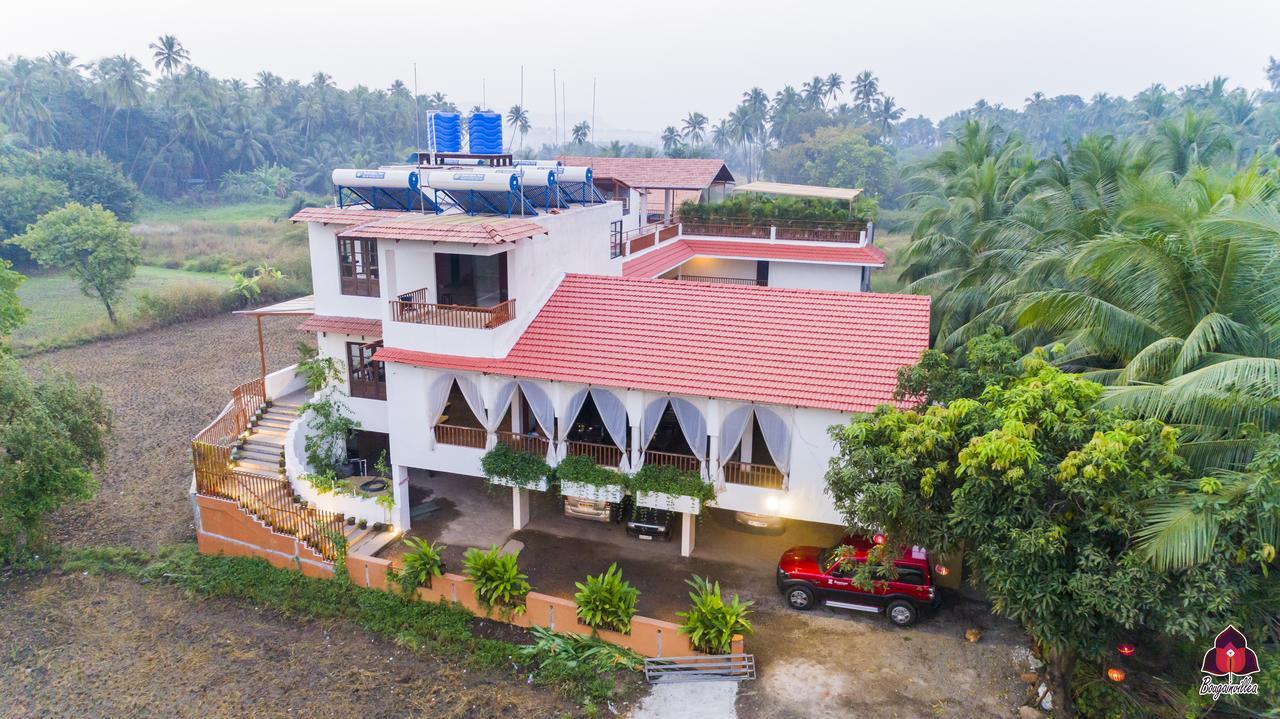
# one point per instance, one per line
(605, 455)
(682, 462)
(412, 307)
(754, 475)
(524, 442)
(721, 280)
(642, 238)
(461, 436)
(806, 230)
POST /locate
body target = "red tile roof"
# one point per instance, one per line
(664, 173)
(473, 229)
(355, 326)
(810, 348)
(670, 255)
(341, 215)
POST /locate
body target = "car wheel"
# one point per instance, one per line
(799, 597)
(901, 613)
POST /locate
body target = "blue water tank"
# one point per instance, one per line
(484, 133)
(446, 131)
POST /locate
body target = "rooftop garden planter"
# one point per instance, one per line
(779, 210)
(507, 467)
(665, 487)
(582, 477)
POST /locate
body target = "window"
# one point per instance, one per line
(358, 267)
(911, 575)
(368, 378)
(471, 280)
(616, 247)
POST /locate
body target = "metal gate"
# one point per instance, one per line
(701, 668)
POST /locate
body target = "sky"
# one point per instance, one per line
(653, 62)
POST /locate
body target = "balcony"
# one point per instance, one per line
(721, 280)
(642, 238)
(413, 307)
(457, 436)
(754, 475)
(852, 232)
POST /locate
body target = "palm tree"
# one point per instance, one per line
(885, 113)
(1197, 139)
(671, 139)
(169, 55)
(695, 127)
(614, 149)
(270, 88)
(518, 120)
(581, 132)
(835, 85)
(814, 93)
(722, 136)
(122, 85)
(865, 89)
(21, 103)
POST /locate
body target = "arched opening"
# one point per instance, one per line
(755, 448)
(458, 411)
(598, 428)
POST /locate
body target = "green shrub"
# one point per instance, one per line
(750, 208)
(584, 470)
(607, 601)
(497, 578)
(330, 423)
(421, 563)
(522, 469)
(670, 480)
(208, 263)
(178, 304)
(711, 623)
(577, 649)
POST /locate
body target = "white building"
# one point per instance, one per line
(581, 328)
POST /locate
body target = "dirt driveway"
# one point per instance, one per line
(821, 663)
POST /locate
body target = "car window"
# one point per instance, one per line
(910, 575)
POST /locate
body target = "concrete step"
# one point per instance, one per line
(269, 454)
(258, 443)
(286, 404)
(269, 423)
(250, 464)
(281, 413)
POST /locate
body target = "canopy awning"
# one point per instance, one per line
(782, 188)
(298, 306)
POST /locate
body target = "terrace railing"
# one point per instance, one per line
(683, 462)
(605, 455)
(805, 230)
(721, 280)
(413, 307)
(754, 475)
(524, 442)
(475, 437)
(642, 238)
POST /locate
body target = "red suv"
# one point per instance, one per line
(808, 575)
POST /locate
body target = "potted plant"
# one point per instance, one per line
(497, 579)
(607, 601)
(712, 623)
(364, 524)
(351, 521)
(509, 467)
(581, 477)
(669, 488)
(421, 562)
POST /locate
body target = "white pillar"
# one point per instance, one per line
(748, 439)
(519, 507)
(400, 492)
(688, 523)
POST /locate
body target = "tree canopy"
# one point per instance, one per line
(91, 244)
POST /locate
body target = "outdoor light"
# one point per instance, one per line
(941, 570)
(878, 539)
(1115, 674)
(1126, 649)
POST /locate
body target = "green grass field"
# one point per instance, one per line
(171, 212)
(59, 313)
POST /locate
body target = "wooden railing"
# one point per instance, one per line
(642, 238)
(605, 455)
(524, 442)
(269, 499)
(683, 462)
(720, 280)
(754, 475)
(461, 436)
(806, 230)
(425, 313)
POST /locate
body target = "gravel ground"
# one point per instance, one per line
(87, 646)
(163, 386)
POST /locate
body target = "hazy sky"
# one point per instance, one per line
(656, 60)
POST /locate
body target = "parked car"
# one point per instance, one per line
(595, 510)
(649, 523)
(752, 520)
(809, 575)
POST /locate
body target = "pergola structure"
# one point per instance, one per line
(297, 307)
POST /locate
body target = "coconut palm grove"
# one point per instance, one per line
(1093, 433)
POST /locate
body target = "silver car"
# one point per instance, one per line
(596, 510)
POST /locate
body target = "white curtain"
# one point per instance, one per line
(500, 406)
(735, 423)
(437, 397)
(777, 436)
(471, 393)
(652, 416)
(692, 424)
(541, 407)
(614, 414)
(570, 414)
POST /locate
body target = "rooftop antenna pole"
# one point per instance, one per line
(484, 92)
(555, 110)
(593, 111)
(564, 112)
(417, 113)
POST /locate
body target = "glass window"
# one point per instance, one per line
(358, 266)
